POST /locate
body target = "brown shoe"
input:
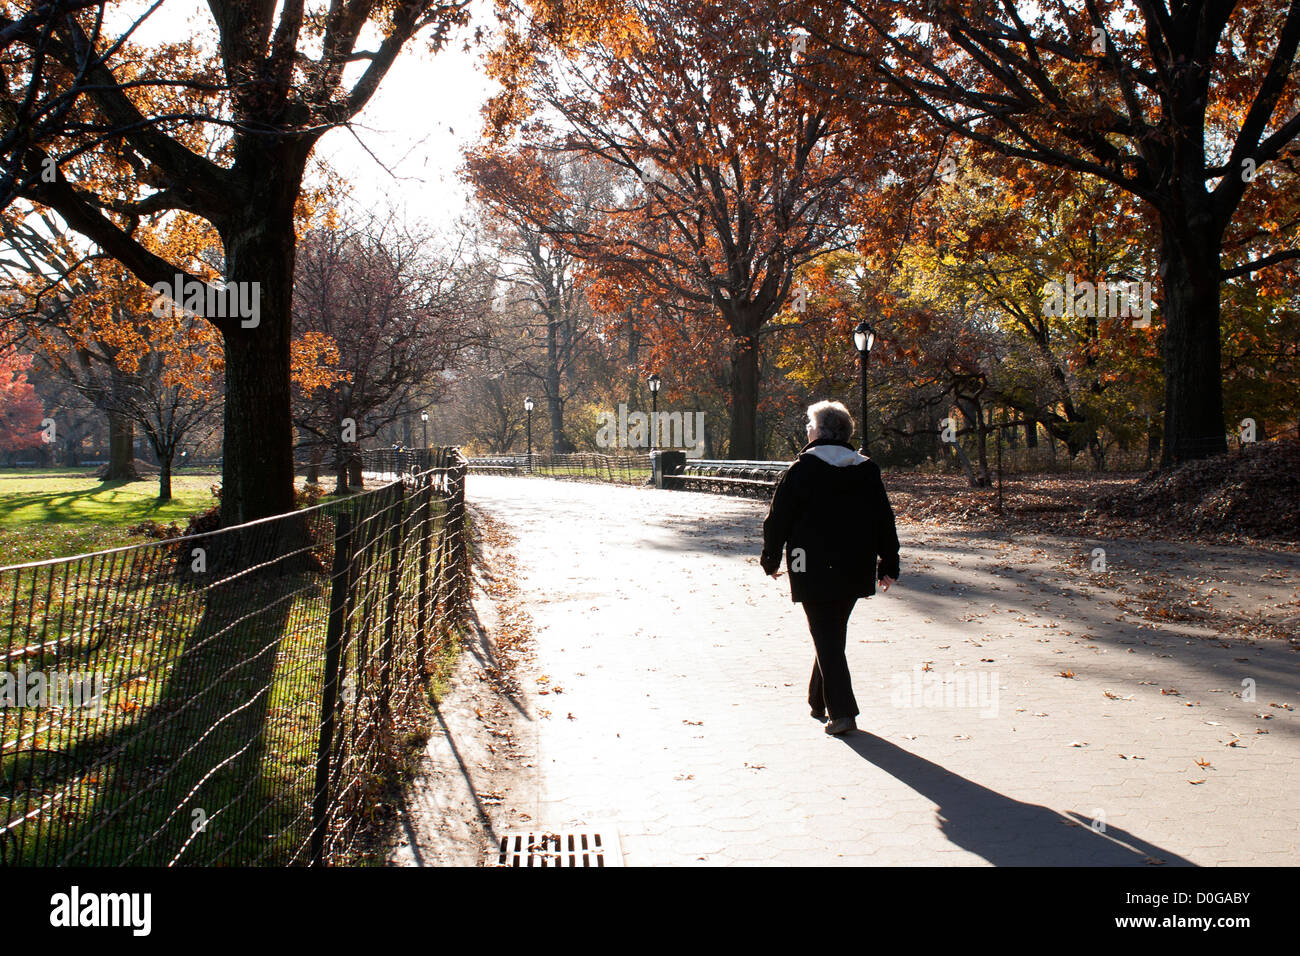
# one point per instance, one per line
(841, 725)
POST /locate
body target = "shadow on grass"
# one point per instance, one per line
(93, 505)
(212, 761)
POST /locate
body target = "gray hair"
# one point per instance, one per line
(832, 419)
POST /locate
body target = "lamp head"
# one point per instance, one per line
(528, 404)
(864, 337)
(654, 383)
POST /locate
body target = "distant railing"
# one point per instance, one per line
(621, 469)
(240, 697)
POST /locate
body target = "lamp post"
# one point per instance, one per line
(654, 382)
(864, 337)
(528, 407)
(424, 421)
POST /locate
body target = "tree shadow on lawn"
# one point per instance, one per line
(1004, 831)
(96, 505)
(216, 764)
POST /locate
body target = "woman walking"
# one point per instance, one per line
(832, 518)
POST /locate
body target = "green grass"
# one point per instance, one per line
(57, 512)
(78, 497)
(187, 658)
(183, 656)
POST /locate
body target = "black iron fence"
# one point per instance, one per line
(241, 697)
(622, 469)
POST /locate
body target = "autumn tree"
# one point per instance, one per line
(221, 128)
(1189, 107)
(396, 311)
(732, 175)
(20, 409)
(1005, 240)
(538, 271)
(139, 361)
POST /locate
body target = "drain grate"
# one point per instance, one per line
(562, 848)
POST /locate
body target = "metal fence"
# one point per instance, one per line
(241, 697)
(623, 469)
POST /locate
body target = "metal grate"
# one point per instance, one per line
(567, 848)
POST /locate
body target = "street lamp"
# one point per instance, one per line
(864, 337)
(528, 407)
(424, 421)
(654, 382)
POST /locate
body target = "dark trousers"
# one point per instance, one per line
(830, 689)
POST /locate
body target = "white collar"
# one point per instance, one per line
(837, 455)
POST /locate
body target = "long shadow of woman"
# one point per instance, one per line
(1004, 831)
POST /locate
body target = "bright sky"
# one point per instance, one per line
(424, 113)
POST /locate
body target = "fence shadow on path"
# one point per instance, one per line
(1002, 830)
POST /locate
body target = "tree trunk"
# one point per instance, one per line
(313, 467)
(554, 405)
(257, 470)
(121, 448)
(340, 471)
(1194, 426)
(744, 396)
(165, 476)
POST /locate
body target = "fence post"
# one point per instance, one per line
(459, 553)
(339, 587)
(422, 600)
(398, 507)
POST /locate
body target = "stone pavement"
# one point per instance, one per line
(1011, 714)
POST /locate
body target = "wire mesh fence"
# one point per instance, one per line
(622, 469)
(239, 697)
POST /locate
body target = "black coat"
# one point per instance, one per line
(832, 517)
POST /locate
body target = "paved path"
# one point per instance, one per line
(675, 677)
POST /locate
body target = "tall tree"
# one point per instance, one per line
(392, 308)
(539, 271)
(20, 409)
(1189, 106)
(223, 138)
(733, 177)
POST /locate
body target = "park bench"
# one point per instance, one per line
(749, 478)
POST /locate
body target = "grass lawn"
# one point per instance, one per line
(55, 512)
(213, 699)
